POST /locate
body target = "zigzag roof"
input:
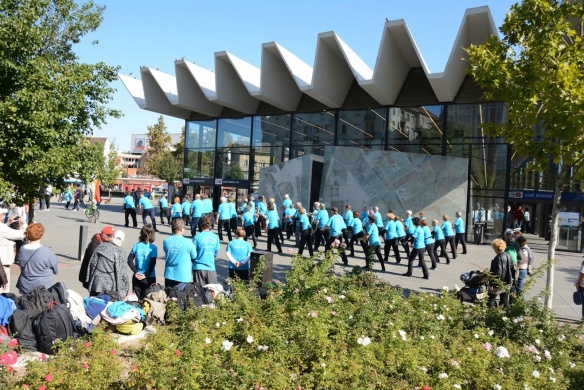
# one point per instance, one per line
(238, 87)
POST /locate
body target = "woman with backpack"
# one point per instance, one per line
(142, 261)
(38, 263)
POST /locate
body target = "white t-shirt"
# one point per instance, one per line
(526, 216)
(582, 272)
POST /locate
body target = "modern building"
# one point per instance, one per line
(241, 118)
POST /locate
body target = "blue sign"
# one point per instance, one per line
(546, 196)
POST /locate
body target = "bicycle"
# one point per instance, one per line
(92, 213)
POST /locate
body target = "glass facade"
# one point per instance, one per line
(226, 155)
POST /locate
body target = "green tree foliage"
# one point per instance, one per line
(538, 69)
(170, 168)
(158, 145)
(234, 171)
(109, 171)
(48, 98)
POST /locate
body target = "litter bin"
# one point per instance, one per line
(254, 261)
(478, 233)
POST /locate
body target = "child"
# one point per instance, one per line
(238, 253)
(142, 261)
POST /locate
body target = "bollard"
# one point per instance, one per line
(255, 259)
(83, 235)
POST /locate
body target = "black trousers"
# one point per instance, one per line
(354, 238)
(250, 232)
(127, 213)
(405, 241)
(430, 250)
(164, 213)
(187, 219)
(392, 244)
(419, 253)
(140, 286)
(459, 237)
(305, 239)
(329, 243)
(224, 223)
(371, 252)
(273, 236)
(442, 245)
(320, 236)
(450, 241)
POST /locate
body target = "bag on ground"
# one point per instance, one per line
(55, 323)
(20, 327)
(36, 301)
(60, 293)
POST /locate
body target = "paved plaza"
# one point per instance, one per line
(63, 227)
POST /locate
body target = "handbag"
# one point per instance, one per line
(577, 297)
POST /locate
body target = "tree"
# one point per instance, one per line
(169, 168)
(234, 171)
(537, 68)
(158, 145)
(109, 172)
(49, 100)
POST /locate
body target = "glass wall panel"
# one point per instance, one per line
(417, 125)
(199, 163)
(299, 151)
(271, 139)
(433, 149)
(313, 129)
(362, 128)
(201, 134)
(234, 132)
(232, 163)
(465, 120)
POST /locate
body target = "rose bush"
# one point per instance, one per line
(324, 330)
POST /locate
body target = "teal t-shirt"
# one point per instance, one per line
(145, 203)
(163, 202)
(176, 211)
(207, 245)
(143, 255)
(129, 202)
(180, 253)
(239, 249)
(273, 219)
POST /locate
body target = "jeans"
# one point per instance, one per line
(581, 291)
(522, 276)
(195, 225)
(149, 212)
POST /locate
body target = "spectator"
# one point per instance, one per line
(501, 275)
(107, 271)
(38, 263)
(7, 252)
(207, 246)
(105, 235)
(180, 253)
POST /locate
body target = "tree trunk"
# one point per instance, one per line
(30, 212)
(549, 294)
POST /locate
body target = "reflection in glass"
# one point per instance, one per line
(201, 134)
(199, 163)
(234, 132)
(232, 163)
(271, 138)
(362, 128)
(314, 129)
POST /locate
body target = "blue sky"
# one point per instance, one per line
(154, 33)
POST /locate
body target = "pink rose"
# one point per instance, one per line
(487, 346)
(8, 358)
(9, 368)
(12, 343)
(49, 377)
(87, 344)
(113, 352)
(178, 352)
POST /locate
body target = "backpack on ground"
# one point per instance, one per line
(60, 293)
(55, 323)
(36, 301)
(20, 327)
(154, 287)
(193, 292)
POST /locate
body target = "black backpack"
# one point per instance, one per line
(20, 327)
(60, 293)
(154, 287)
(55, 323)
(192, 292)
(36, 301)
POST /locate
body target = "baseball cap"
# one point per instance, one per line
(517, 230)
(108, 230)
(3, 211)
(119, 236)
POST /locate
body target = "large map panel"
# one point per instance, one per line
(394, 181)
(291, 177)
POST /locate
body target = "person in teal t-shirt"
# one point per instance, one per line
(129, 209)
(142, 260)
(207, 245)
(373, 244)
(148, 210)
(164, 210)
(418, 249)
(179, 255)
(238, 254)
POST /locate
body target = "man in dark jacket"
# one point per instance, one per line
(105, 236)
